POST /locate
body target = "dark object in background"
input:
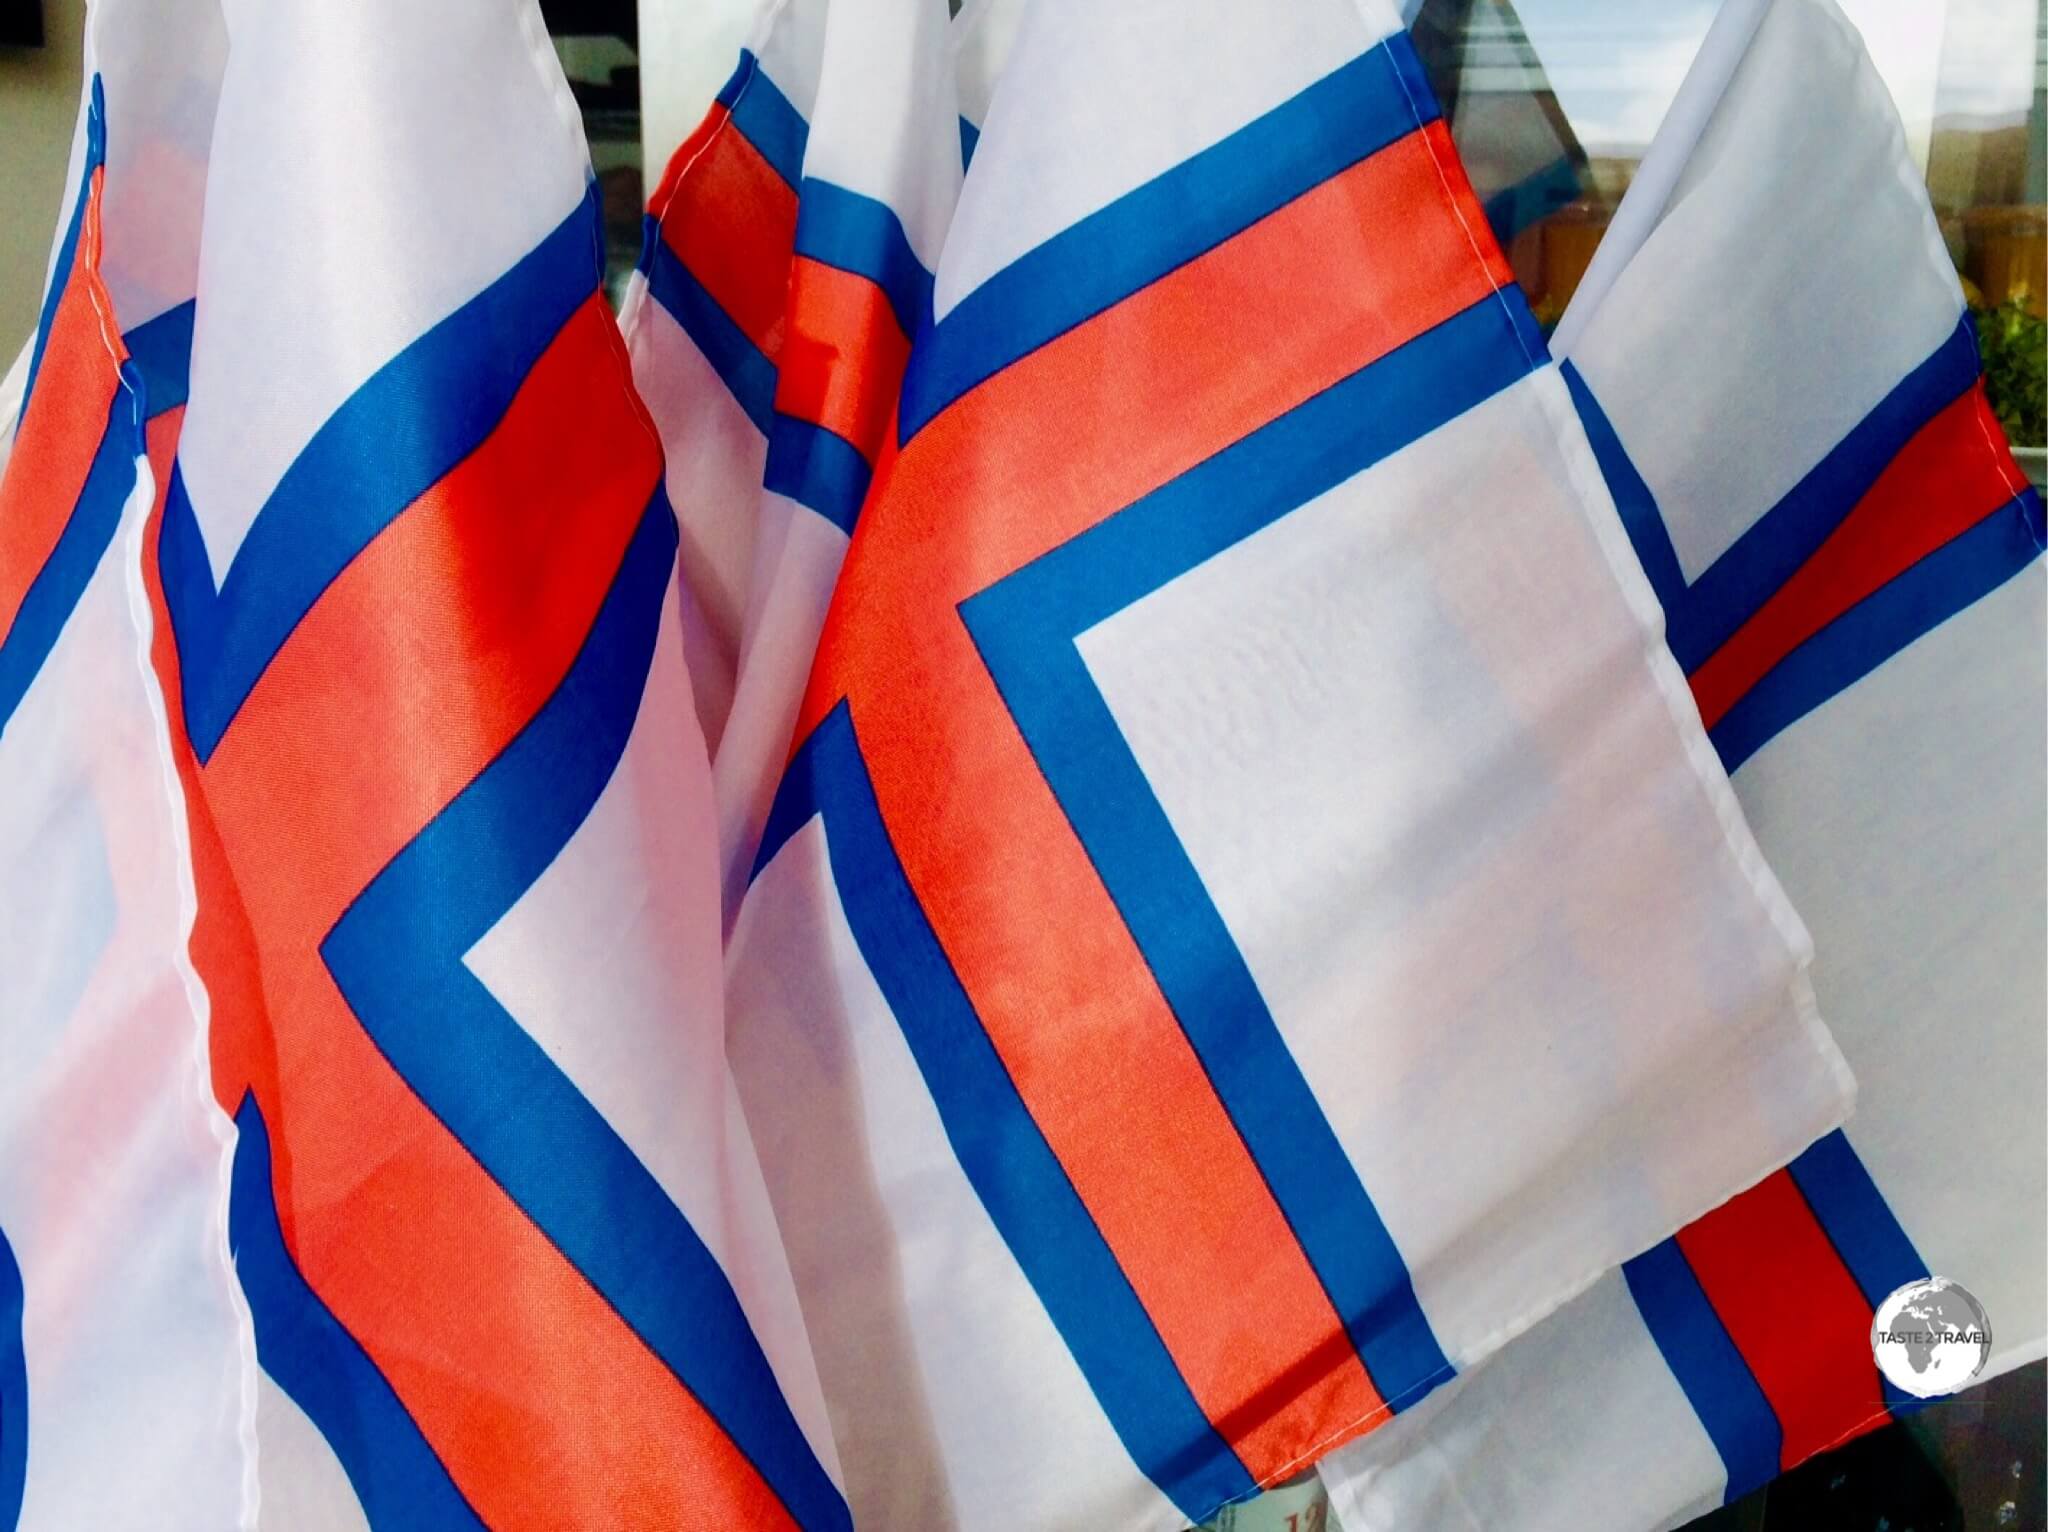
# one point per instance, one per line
(1973, 1463)
(581, 18)
(21, 23)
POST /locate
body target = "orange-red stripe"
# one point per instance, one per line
(1811, 1357)
(1022, 463)
(842, 354)
(418, 665)
(60, 432)
(731, 221)
(1942, 483)
(1295, 303)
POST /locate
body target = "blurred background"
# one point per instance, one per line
(1551, 101)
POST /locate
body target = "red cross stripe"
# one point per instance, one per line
(477, 1232)
(1355, 260)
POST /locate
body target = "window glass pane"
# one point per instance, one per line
(1553, 103)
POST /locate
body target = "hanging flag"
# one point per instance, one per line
(704, 319)
(124, 1352)
(881, 174)
(1251, 920)
(494, 1206)
(1775, 367)
(791, 251)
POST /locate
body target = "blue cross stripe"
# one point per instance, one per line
(777, 130)
(88, 531)
(817, 468)
(811, 464)
(57, 586)
(1026, 628)
(1703, 1357)
(1950, 579)
(397, 1478)
(160, 351)
(397, 436)
(397, 957)
(743, 367)
(396, 954)
(152, 381)
(1001, 1150)
(1702, 615)
(13, 1390)
(1872, 1243)
(1347, 116)
(1697, 1348)
(771, 123)
(67, 247)
(858, 234)
(806, 462)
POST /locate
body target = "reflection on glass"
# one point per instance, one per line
(1553, 103)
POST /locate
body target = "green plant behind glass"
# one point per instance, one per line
(2015, 346)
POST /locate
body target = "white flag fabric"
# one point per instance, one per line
(1776, 369)
(408, 592)
(685, 55)
(983, 33)
(704, 318)
(1092, 859)
(1252, 920)
(126, 1367)
(786, 270)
